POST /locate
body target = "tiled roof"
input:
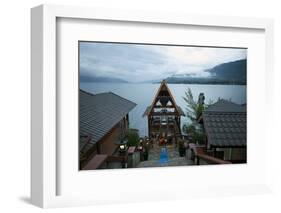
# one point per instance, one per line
(101, 112)
(226, 106)
(226, 124)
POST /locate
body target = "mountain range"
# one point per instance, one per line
(85, 78)
(234, 72)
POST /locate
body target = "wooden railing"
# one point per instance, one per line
(99, 160)
(200, 154)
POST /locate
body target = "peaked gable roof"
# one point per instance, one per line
(101, 112)
(163, 87)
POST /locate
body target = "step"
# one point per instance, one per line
(179, 161)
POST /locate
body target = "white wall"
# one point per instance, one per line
(15, 115)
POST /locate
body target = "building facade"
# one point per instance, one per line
(225, 125)
(164, 115)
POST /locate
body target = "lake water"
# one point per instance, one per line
(143, 94)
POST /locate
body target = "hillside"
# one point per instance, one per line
(234, 72)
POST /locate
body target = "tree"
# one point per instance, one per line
(194, 109)
(133, 137)
(197, 135)
(193, 112)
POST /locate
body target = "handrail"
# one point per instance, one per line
(98, 160)
(212, 159)
(200, 154)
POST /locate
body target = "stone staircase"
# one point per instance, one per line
(173, 158)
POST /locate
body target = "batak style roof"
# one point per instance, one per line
(99, 113)
(225, 124)
(163, 95)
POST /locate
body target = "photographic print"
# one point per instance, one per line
(159, 105)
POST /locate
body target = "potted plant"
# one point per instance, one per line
(182, 148)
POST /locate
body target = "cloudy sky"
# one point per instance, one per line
(137, 63)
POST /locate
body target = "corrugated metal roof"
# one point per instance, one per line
(226, 124)
(99, 113)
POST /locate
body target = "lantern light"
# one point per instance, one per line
(122, 147)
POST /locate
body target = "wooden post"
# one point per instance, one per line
(198, 160)
(148, 125)
(127, 121)
(98, 148)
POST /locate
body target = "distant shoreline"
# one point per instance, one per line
(206, 83)
(187, 83)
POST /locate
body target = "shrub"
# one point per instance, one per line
(197, 136)
(133, 137)
(182, 148)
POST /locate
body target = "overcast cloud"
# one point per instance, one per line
(137, 63)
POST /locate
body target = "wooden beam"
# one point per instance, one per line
(164, 113)
(173, 107)
(155, 99)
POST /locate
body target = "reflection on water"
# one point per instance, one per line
(143, 94)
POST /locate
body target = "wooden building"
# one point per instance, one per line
(225, 125)
(164, 115)
(103, 122)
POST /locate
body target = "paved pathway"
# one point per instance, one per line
(173, 158)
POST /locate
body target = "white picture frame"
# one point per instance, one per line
(44, 154)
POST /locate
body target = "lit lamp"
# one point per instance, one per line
(146, 144)
(147, 141)
(140, 147)
(122, 146)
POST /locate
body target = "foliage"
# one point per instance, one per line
(133, 137)
(197, 135)
(193, 109)
(193, 112)
(181, 147)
